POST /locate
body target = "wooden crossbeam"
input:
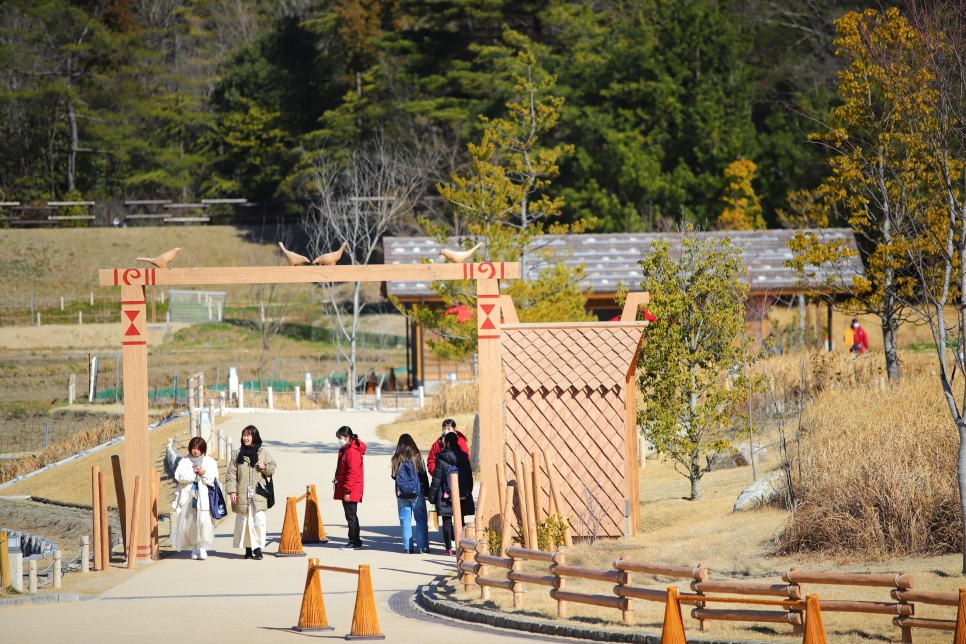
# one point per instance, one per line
(306, 274)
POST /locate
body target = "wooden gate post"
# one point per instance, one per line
(491, 389)
(137, 459)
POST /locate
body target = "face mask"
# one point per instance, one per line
(447, 431)
(855, 326)
(342, 442)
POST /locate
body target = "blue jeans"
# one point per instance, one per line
(407, 509)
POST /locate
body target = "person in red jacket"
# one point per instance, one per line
(449, 425)
(855, 338)
(349, 478)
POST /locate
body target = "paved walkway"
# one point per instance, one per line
(229, 599)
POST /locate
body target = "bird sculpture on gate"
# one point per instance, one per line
(458, 257)
(162, 260)
(293, 259)
(330, 259)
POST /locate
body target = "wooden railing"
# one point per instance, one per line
(478, 567)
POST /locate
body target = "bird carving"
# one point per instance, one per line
(293, 259)
(458, 257)
(330, 259)
(162, 260)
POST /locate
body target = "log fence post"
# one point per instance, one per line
(469, 556)
(32, 576)
(560, 583)
(85, 554)
(105, 544)
(539, 515)
(58, 562)
(507, 528)
(96, 511)
(119, 493)
(522, 501)
(518, 590)
(454, 493)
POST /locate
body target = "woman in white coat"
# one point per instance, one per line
(194, 475)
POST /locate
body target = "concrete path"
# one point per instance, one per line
(229, 599)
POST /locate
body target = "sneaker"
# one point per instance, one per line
(348, 546)
(357, 546)
(194, 554)
(257, 554)
(426, 551)
(202, 554)
(447, 552)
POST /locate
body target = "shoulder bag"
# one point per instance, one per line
(216, 501)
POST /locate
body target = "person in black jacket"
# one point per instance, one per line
(452, 456)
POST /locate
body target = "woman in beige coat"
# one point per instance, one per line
(248, 471)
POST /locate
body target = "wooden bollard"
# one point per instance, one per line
(365, 621)
(105, 523)
(58, 562)
(32, 576)
(119, 493)
(132, 551)
(290, 543)
(312, 615)
(517, 566)
(561, 583)
(313, 530)
(4, 560)
(85, 554)
(454, 491)
(485, 547)
(501, 483)
(298, 398)
(96, 506)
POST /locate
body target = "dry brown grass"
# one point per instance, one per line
(284, 400)
(446, 400)
(876, 475)
(108, 429)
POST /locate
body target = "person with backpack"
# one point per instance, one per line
(449, 427)
(412, 484)
(452, 459)
(349, 478)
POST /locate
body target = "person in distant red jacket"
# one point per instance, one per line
(349, 478)
(855, 338)
(449, 425)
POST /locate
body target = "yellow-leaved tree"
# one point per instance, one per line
(742, 205)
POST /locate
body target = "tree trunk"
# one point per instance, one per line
(352, 346)
(74, 144)
(891, 349)
(696, 476)
(961, 476)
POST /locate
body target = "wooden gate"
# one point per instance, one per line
(570, 392)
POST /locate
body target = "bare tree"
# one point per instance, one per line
(359, 201)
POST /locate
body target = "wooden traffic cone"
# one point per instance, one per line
(290, 544)
(312, 530)
(673, 631)
(365, 622)
(959, 637)
(312, 615)
(814, 629)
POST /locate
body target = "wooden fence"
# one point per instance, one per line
(477, 567)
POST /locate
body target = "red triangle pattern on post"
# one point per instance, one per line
(132, 330)
(487, 324)
(487, 308)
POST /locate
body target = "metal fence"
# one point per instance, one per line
(195, 307)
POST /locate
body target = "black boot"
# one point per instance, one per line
(248, 553)
(258, 554)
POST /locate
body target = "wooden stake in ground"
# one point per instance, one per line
(539, 514)
(105, 524)
(522, 501)
(132, 556)
(531, 526)
(155, 492)
(500, 485)
(96, 507)
(119, 493)
(454, 493)
(555, 497)
(506, 530)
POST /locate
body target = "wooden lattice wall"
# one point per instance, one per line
(570, 393)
